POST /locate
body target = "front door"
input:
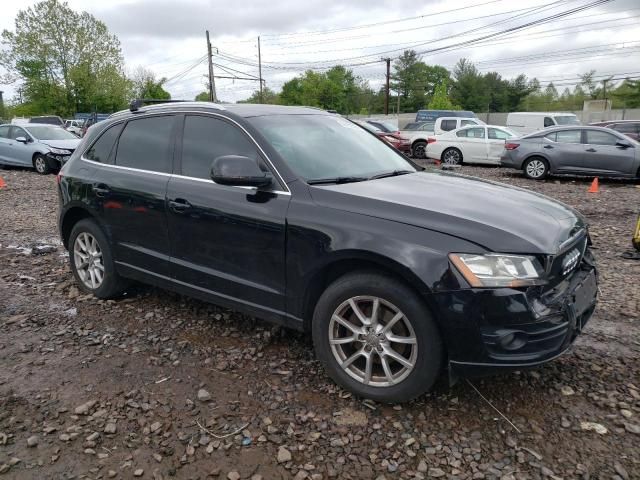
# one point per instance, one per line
(475, 145)
(602, 154)
(130, 188)
(227, 242)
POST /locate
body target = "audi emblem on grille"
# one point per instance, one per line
(570, 261)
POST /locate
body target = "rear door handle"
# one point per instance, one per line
(590, 150)
(548, 146)
(101, 190)
(179, 205)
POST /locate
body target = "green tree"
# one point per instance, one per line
(268, 97)
(61, 57)
(416, 81)
(202, 97)
(468, 89)
(146, 85)
(440, 99)
(627, 94)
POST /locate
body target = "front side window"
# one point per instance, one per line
(144, 144)
(207, 138)
(595, 137)
(448, 125)
(326, 146)
(102, 148)
(17, 132)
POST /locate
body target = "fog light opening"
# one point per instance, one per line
(512, 340)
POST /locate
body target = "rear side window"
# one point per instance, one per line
(471, 133)
(102, 149)
(595, 137)
(207, 138)
(448, 125)
(626, 127)
(4, 132)
(565, 136)
(144, 144)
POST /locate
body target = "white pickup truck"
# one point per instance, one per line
(419, 132)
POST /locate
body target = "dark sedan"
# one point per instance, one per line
(302, 218)
(574, 150)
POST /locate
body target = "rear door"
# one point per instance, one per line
(602, 154)
(130, 188)
(564, 150)
(226, 241)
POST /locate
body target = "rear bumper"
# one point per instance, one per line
(488, 330)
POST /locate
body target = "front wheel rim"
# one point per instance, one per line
(451, 157)
(535, 168)
(419, 151)
(373, 341)
(40, 165)
(87, 257)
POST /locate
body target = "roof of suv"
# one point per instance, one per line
(240, 109)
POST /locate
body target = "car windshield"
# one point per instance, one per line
(45, 132)
(387, 127)
(319, 147)
(566, 120)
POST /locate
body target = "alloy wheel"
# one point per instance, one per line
(451, 157)
(536, 168)
(373, 341)
(419, 151)
(40, 164)
(87, 257)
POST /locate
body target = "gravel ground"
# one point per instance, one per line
(156, 385)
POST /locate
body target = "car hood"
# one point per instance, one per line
(70, 144)
(497, 217)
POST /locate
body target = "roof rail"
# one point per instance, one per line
(135, 105)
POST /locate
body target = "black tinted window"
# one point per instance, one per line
(595, 137)
(448, 125)
(207, 138)
(102, 148)
(548, 122)
(144, 144)
(626, 127)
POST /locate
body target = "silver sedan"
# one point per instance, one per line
(574, 150)
(43, 147)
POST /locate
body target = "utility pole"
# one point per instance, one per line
(260, 70)
(212, 84)
(386, 96)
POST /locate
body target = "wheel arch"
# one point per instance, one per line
(70, 217)
(357, 261)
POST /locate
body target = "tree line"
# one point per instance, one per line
(67, 62)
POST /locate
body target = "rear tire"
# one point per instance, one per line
(419, 150)
(536, 168)
(41, 164)
(92, 262)
(452, 156)
(392, 364)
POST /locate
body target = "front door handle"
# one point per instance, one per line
(548, 146)
(591, 150)
(179, 205)
(101, 190)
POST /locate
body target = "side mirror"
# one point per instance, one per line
(623, 144)
(239, 171)
(22, 139)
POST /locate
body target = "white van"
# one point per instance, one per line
(529, 122)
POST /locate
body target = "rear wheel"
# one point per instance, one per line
(536, 168)
(419, 150)
(41, 164)
(452, 156)
(91, 261)
(376, 338)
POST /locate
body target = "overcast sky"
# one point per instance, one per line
(168, 37)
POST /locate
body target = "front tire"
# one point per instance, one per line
(376, 338)
(536, 168)
(41, 164)
(452, 156)
(92, 262)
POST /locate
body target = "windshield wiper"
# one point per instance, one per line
(320, 181)
(395, 173)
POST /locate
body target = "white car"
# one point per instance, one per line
(471, 144)
(73, 126)
(420, 132)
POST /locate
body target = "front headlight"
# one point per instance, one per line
(58, 151)
(498, 270)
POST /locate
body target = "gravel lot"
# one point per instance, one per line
(157, 385)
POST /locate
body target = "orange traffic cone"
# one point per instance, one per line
(2, 184)
(594, 186)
